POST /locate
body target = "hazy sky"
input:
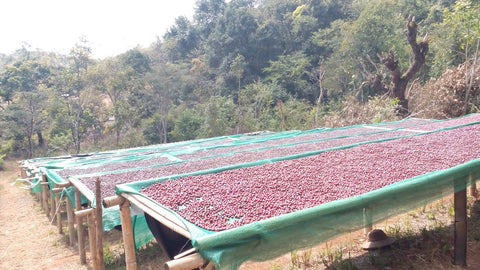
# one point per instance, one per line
(111, 26)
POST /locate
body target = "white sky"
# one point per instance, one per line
(111, 26)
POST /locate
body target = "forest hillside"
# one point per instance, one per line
(247, 65)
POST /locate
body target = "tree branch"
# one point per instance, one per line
(419, 50)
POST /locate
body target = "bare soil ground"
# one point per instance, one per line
(28, 240)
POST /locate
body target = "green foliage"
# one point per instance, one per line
(187, 126)
(60, 142)
(153, 131)
(2, 162)
(218, 117)
(464, 18)
(291, 73)
(238, 66)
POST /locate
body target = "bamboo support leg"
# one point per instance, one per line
(45, 195)
(71, 222)
(92, 241)
(98, 218)
(53, 205)
(460, 234)
(127, 233)
(367, 221)
(58, 211)
(80, 232)
(473, 190)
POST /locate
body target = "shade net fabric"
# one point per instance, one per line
(141, 167)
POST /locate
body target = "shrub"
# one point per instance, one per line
(454, 93)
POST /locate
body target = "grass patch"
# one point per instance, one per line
(423, 240)
(148, 257)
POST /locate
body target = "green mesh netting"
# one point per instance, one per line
(229, 254)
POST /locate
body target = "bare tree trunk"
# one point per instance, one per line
(41, 141)
(469, 77)
(399, 80)
(321, 75)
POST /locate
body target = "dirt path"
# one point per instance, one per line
(27, 239)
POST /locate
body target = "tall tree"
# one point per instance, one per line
(400, 81)
(76, 92)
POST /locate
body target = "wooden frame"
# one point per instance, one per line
(95, 226)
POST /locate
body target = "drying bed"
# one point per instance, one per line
(246, 142)
(109, 181)
(237, 197)
(328, 139)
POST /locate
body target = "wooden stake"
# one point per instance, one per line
(127, 233)
(460, 233)
(98, 218)
(91, 240)
(80, 235)
(186, 263)
(71, 222)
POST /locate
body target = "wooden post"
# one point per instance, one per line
(98, 218)
(92, 241)
(80, 235)
(473, 187)
(53, 205)
(58, 208)
(23, 172)
(127, 233)
(460, 233)
(44, 184)
(71, 222)
(367, 221)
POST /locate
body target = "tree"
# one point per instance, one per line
(76, 93)
(399, 80)
(238, 68)
(206, 15)
(292, 73)
(464, 21)
(24, 85)
(218, 117)
(118, 78)
(234, 35)
(186, 126)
